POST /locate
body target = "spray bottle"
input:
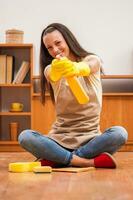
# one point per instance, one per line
(76, 87)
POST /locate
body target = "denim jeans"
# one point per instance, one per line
(45, 148)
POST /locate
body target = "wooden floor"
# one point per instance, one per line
(99, 184)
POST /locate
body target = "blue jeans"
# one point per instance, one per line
(45, 148)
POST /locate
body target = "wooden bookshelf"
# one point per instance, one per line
(21, 93)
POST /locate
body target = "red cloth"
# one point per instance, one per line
(104, 160)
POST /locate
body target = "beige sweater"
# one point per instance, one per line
(76, 124)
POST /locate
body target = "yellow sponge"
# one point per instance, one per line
(23, 166)
(42, 169)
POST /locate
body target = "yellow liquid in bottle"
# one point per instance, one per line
(78, 90)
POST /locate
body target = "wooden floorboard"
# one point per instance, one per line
(99, 184)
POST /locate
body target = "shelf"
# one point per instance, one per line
(22, 45)
(36, 77)
(16, 85)
(5, 142)
(113, 85)
(104, 94)
(39, 94)
(36, 94)
(103, 76)
(15, 113)
(117, 94)
(117, 76)
(16, 93)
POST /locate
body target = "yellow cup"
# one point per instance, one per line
(16, 106)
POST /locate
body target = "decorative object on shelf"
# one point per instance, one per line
(14, 36)
(14, 126)
(16, 107)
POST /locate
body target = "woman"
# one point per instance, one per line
(75, 138)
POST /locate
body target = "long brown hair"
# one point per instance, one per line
(46, 58)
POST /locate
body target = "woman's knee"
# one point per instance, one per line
(120, 133)
(24, 136)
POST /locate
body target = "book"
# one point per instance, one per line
(9, 69)
(2, 69)
(21, 74)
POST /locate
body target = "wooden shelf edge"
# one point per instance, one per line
(15, 113)
(36, 77)
(117, 76)
(118, 94)
(16, 85)
(104, 94)
(38, 94)
(128, 76)
(5, 142)
(16, 45)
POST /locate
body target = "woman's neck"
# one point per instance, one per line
(72, 57)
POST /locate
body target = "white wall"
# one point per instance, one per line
(101, 26)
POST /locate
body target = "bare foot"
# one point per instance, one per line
(81, 162)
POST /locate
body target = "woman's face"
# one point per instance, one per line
(56, 44)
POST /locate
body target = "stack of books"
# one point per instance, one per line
(7, 70)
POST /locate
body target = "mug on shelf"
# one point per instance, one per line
(16, 107)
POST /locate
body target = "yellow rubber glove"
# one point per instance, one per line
(74, 69)
(66, 68)
(83, 68)
(55, 72)
(62, 68)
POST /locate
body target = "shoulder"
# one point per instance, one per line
(94, 62)
(95, 58)
(47, 71)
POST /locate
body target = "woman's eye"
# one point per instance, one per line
(49, 48)
(58, 43)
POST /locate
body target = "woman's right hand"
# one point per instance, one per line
(62, 68)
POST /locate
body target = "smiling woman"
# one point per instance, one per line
(75, 138)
